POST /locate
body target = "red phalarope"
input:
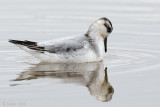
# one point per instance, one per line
(89, 47)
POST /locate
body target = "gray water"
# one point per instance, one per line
(128, 76)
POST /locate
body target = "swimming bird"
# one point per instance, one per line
(89, 47)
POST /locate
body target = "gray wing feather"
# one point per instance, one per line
(65, 45)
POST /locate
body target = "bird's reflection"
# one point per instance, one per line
(91, 75)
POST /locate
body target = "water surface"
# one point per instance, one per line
(128, 76)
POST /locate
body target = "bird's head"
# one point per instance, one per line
(101, 27)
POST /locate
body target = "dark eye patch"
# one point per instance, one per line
(109, 30)
(105, 25)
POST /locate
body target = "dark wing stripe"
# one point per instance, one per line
(37, 48)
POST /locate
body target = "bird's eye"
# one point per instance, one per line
(108, 28)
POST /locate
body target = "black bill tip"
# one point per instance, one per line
(105, 44)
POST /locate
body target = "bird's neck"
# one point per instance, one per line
(97, 41)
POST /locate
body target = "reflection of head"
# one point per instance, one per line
(101, 89)
(106, 92)
(91, 75)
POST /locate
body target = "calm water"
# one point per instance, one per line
(128, 77)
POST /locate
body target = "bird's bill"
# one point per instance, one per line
(105, 44)
(106, 76)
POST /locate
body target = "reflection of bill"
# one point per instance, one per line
(91, 75)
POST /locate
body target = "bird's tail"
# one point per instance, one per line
(29, 44)
(24, 43)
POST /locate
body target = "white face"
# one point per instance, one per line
(104, 27)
